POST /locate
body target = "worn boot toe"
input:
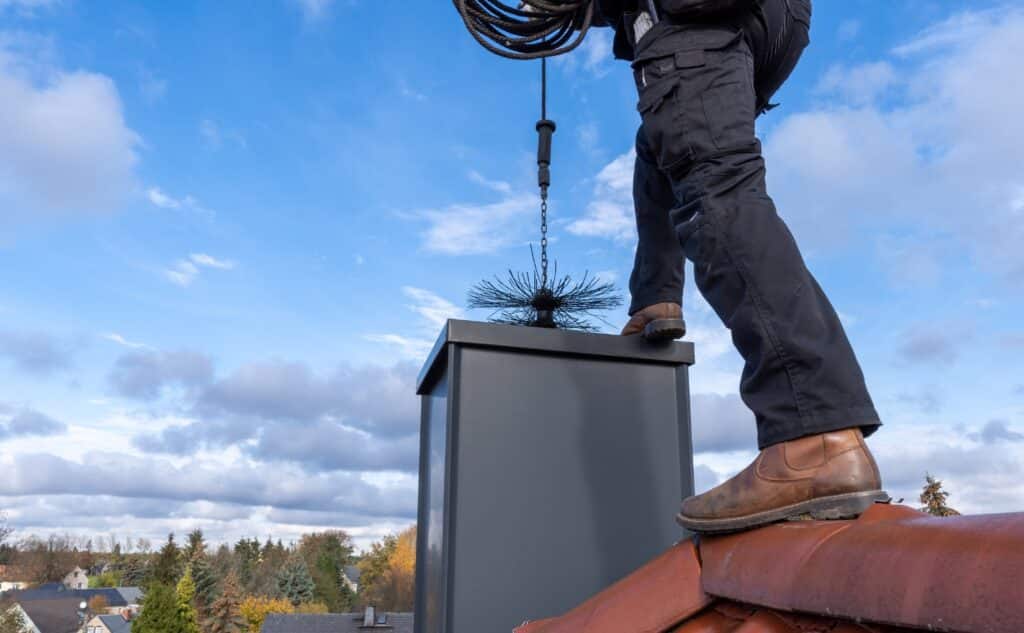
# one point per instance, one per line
(826, 476)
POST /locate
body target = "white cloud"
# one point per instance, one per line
(434, 312)
(161, 199)
(949, 118)
(495, 185)
(185, 271)
(963, 28)
(593, 56)
(432, 308)
(861, 84)
(202, 259)
(597, 52)
(122, 341)
(408, 347)
(65, 147)
(476, 229)
(610, 211)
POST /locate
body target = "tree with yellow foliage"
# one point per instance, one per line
(255, 610)
(98, 604)
(389, 573)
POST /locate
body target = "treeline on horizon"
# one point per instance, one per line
(227, 584)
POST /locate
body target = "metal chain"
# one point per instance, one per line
(544, 240)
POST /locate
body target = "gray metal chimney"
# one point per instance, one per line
(552, 464)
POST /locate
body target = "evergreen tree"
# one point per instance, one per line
(272, 558)
(188, 620)
(159, 611)
(196, 544)
(205, 579)
(11, 620)
(294, 581)
(166, 568)
(225, 615)
(326, 555)
(247, 558)
(933, 498)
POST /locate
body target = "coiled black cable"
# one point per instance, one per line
(530, 30)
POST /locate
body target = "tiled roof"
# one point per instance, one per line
(56, 591)
(353, 573)
(53, 616)
(334, 623)
(131, 595)
(116, 623)
(893, 570)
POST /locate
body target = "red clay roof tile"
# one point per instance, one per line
(653, 599)
(892, 568)
(893, 565)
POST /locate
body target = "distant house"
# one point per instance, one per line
(12, 578)
(120, 600)
(60, 615)
(108, 624)
(351, 577)
(367, 622)
(132, 597)
(77, 578)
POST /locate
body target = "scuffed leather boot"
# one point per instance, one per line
(827, 476)
(658, 322)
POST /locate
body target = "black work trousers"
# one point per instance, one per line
(699, 190)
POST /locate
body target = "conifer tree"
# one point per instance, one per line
(159, 611)
(188, 620)
(205, 579)
(11, 620)
(295, 582)
(225, 615)
(196, 544)
(933, 498)
(166, 567)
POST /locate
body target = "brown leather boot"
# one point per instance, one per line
(827, 476)
(658, 322)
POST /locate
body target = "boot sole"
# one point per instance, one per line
(664, 330)
(846, 506)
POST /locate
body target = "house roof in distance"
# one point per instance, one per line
(53, 616)
(335, 623)
(893, 570)
(353, 573)
(131, 595)
(116, 623)
(57, 591)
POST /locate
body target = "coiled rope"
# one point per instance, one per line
(532, 29)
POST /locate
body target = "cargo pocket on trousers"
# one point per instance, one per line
(659, 109)
(730, 107)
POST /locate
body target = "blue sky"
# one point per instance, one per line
(229, 231)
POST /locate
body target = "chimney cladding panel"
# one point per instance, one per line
(552, 464)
